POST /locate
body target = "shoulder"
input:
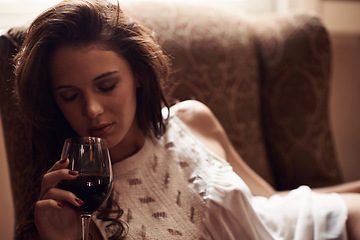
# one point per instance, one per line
(194, 114)
(207, 129)
(202, 123)
(190, 108)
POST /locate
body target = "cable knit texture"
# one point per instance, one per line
(162, 188)
(176, 188)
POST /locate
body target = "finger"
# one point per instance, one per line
(63, 163)
(48, 204)
(62, 196)
(51, 179)
(51, 216)
(49, 211)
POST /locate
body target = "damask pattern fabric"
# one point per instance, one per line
(16, 135)
(215, 62)
(265, 78)
(295, 59)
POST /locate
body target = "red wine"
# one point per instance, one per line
(92, 189)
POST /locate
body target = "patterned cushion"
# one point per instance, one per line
(215, 61)
(295, 59)
(15, 134)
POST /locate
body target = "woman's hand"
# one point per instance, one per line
(55, 214)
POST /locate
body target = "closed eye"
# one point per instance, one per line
(69, 98)
(107, 85)
(68, 94)
(107, 89)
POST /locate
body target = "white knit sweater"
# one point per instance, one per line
(175, 188)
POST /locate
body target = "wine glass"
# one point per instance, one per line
(90, 157)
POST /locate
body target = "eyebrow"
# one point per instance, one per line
(104, 75)
(94, 80)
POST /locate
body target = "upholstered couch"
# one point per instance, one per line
(266, 78)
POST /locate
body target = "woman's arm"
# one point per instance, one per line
(349, 187)
(204, 125)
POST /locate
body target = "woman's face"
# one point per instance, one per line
(95, 89)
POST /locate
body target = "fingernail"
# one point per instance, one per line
(61, 204)
(79, 201)
(73, 172)
(63, 160)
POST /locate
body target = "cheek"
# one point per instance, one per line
(125, 100)
(71, 118)
(125, 112)
(71, 115)
(124, 109)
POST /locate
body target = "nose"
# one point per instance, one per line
(92, 107)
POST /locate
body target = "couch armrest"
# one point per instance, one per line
(295, 59)
(16, 135)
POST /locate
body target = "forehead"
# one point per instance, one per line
(72, 62)
(80, 52)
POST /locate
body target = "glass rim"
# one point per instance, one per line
(89, 140)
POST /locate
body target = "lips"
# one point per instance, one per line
(101, 130)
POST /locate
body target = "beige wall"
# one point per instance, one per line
(6, 205)
(345, 102)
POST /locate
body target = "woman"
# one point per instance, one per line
(87, 69)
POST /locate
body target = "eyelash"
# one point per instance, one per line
(108, 89)
(105, 90)
(70, 98)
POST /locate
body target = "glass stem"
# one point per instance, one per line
(85, 220)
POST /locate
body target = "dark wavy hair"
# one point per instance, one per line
(81, 23)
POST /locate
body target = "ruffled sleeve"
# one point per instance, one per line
(234, 213)
(230, 214)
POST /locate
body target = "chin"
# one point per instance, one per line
(112, 141)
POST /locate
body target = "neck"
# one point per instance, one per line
(130, 145)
